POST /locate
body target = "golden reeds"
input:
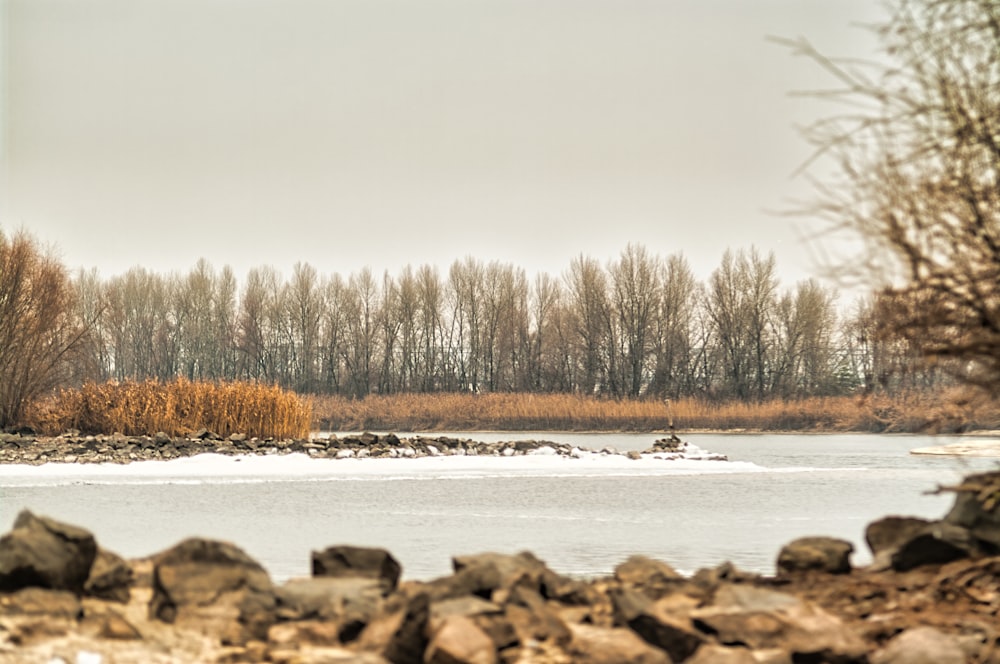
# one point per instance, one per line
(176, 408)
(566, 412)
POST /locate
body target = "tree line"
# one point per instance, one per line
(641, 325)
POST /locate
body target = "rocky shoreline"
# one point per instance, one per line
(932, 595)
(72, 447)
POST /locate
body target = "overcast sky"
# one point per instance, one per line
(350, 133)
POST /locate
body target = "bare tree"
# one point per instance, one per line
(916, 155)
(38, 328)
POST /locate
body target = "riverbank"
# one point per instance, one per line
(933, 592)
(75, 448)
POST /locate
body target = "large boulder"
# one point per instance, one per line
(45, 553)
(766, 619)
(937, 542)
(891, 532)
(215, 587)
(356, 561)
(487, 573)
(819, 554)
(346, 604)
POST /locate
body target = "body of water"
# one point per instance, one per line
(583, 516)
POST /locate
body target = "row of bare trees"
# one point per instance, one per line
(642, 324)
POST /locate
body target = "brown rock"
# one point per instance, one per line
(713, 654)
(819, 554)
(674, 635)
(110, 578)
(355, 561)
(45, 553)
(301, 633)
(763, 619)
(458, 640)
(921, 645)
(597, 645)
(399, 631)
(647, 573)
(214, 587)
(41, 602)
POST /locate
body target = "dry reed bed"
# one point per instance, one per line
(175, 408)
(945, 413)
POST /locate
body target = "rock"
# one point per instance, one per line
(45, 553)
(484, 574)
(399, 631)
(597, 645)
(109, 624)
(889, 533)
(821, 554)
(937, 542)
(977, 508)
(713, 654)
(467, 605)
(215, 587)
(921, 645)
(295, 635)
(346, 604)
(110, 578)
(458, 640)
(355, 561)
(763, 619)
(655, 578)
(533, 619)
(41, 602)
(676, 636)
(634, 455)
(368, 438)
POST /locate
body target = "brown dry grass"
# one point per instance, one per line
(175, 408)
(944, 413)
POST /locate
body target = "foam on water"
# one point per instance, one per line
(221, 469)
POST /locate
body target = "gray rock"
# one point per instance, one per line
(977, 508)
(45, 553)
(936, 543)
(921, 645)
(889, 533)
(820, 554)
(356, 561)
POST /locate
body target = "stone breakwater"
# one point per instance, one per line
(116, 448)
(932, 595)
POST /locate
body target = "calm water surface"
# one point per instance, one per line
(582, 516)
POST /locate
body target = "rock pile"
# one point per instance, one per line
(116, 448)
(64, 599)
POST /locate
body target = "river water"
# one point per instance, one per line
(583, 516)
